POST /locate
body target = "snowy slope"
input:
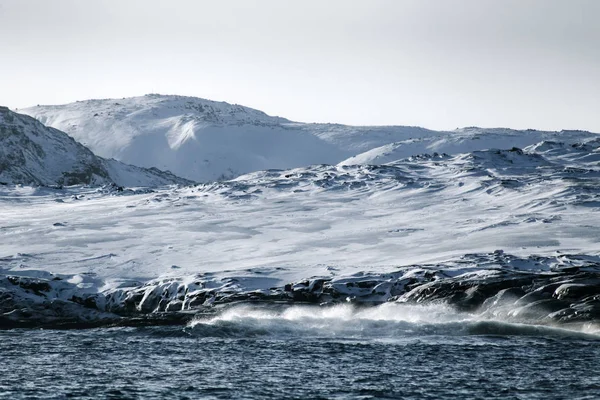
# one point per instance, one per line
(197, 139)
(34, 154)
(497, 222)
(31, 153)
(463, 141)
(461, 227)
(205, 140)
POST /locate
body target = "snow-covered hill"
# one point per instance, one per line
(194, 138)
(463, 141)
(33, 154)
(509, 234)
(203, 140)
(497, 222)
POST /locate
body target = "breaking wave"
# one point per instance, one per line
(387, 321)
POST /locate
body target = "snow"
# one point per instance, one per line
(203, 140)
(364, 212)
(34, 154)
(31, 153)
(270, 228)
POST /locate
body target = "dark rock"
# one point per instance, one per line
(504, 297)
(543, 292)
(538, 309)
(197, 299)
(34, 284)
(465, 294)
(88, 302)
(574, 291)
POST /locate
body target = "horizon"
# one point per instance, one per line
(524, 65)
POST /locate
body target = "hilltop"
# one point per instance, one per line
(204, 140)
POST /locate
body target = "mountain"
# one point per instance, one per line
(198, 139)
(204, 140)
(466, 140)
(500, 223)
(508, 235)
(31, 153)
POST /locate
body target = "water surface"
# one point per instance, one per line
(341, 352)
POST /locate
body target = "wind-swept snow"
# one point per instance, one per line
(484, 219)
(203, 140)
(33, 154)
(497, 221)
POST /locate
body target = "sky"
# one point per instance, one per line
(440, 64)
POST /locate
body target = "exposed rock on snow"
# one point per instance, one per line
(33, 154)
(419, 226)
(488, 284)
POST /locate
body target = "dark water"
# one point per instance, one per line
(302, 353)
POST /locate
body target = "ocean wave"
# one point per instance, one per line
(386, 321)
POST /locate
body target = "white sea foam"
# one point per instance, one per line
(387, 321)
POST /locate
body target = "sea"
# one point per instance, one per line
(297, 352)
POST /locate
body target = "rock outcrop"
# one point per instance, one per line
(567, 291)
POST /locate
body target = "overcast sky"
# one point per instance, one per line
(441, 64)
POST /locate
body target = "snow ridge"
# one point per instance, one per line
(204, 141)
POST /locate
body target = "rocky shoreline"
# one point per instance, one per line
(537, 290)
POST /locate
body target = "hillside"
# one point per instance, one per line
(461, 230)
(204, 140)
(33, 154)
